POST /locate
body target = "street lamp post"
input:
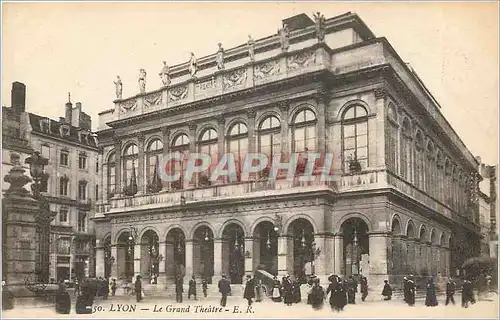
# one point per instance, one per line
(355, 254)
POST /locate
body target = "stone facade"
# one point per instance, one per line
(406, 211)
(72, 179)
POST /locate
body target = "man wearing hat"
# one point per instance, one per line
(224, 289)
(249, 293)
(138, 288)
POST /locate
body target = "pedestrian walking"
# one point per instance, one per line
(430, 295)
(405, 289)
(317, 295)
(113, 287)
(310, 285)
(410, 287)
(352, 288)
(467, 294)
(204, 287)
(276, 294)
(287, 290)
(450, 291)
(192, 288)
(364, 288)
(387, 291)
(249, 292)
(138, 288)
(179, 288)
(224, 289)
(63, 300)
(260, 290)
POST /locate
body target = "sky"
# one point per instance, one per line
(56, 48)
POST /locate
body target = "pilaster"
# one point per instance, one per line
(282, 255)
(100, 262)
(141, 174)
(118, 167)
(137, 260)
(378, 258)
(166, 150)
(217, 259)
(338, 254)
(249, 259)
(189, 258)
(114, 266)
(380, 96)
(285, 148)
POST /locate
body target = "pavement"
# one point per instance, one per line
(156, 307)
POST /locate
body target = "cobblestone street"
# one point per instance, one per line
(126, 307)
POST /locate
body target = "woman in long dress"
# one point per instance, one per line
(260, 290)
(317, 295)
(276, 295)
(430, 296)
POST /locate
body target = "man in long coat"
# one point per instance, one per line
(249, 292)
(179, 289)
(192, 288)
(352, 288)
(387, 291)
(430, 295)
(138, 288)
(287, 290)
(63, 300)
(450, 292)
(364, 288)
(224, 289)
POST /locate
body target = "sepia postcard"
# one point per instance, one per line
(250, 160)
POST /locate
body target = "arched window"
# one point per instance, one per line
(180, 145)
(111, 164)
(419, 161)
(238, 144)
(304, 131)
(155, 148)
(207, 145)
(270, 137)
(391, 139)
(130, 160)
(355, 136)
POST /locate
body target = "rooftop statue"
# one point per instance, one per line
(165, 74)
(251, 48)
(319, 20)
(193, 66)
(284, 34)
(118, 87)
(219, 58)
(142, 80)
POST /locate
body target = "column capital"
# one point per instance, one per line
(165, 131)
(378, 233)
(380, 93)
(338, 234)
(412, 239)
(192, 125)
(283, 105)
(322, 96)
(221, 119)
(251, 113)
(399, 236)
(140, 137)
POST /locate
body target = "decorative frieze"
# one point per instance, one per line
(266, 69)
(177, 93)
(206, 85)
(301, 60)
(234, 78)
(380, 93)
(128, 105)
(153, 99)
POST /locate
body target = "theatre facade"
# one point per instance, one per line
(405, 202)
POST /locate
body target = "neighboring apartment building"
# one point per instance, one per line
(406, 201)
(72, 171)
(488, 210)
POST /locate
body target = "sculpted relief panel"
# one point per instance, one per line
(301, 60)
(177, 93)
(128, 105)
(266, 69)
(234, 78)
(153, 99)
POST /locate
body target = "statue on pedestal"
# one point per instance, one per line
(193, 66)
(119, 87)
(219, 58)
(284, 34)
(165, 74)
(319, 20)
(251, 48)
(142, 80)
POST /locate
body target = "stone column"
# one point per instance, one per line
(285, 148)
(192, 148)
(189, 258)
(338, 254)
(282, 254)
(322, 101)
(142, 179)
(220, 144)
(249, 260)
(162, 249)
(169, 260)
(166, 150)
(118, 167)
(137, 260)
(217, 259)
(252, 147)
(323, 263)
(100, 262)
(114, 266)
(378, 259)
(380, 95)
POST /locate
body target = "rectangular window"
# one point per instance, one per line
(64, 158)
(97, 166)
(63, 187)
(63, 246)
(82, 161)
(82, 221)
(63, 215)
(96, 191)
(82, 190)
(45, 151)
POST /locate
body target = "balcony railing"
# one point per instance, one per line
(363, 181)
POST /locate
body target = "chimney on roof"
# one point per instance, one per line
(18, 97)
(69, 110)
(300, 21)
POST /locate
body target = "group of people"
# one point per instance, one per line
(286, 290)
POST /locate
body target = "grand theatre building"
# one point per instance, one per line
(405, 202)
